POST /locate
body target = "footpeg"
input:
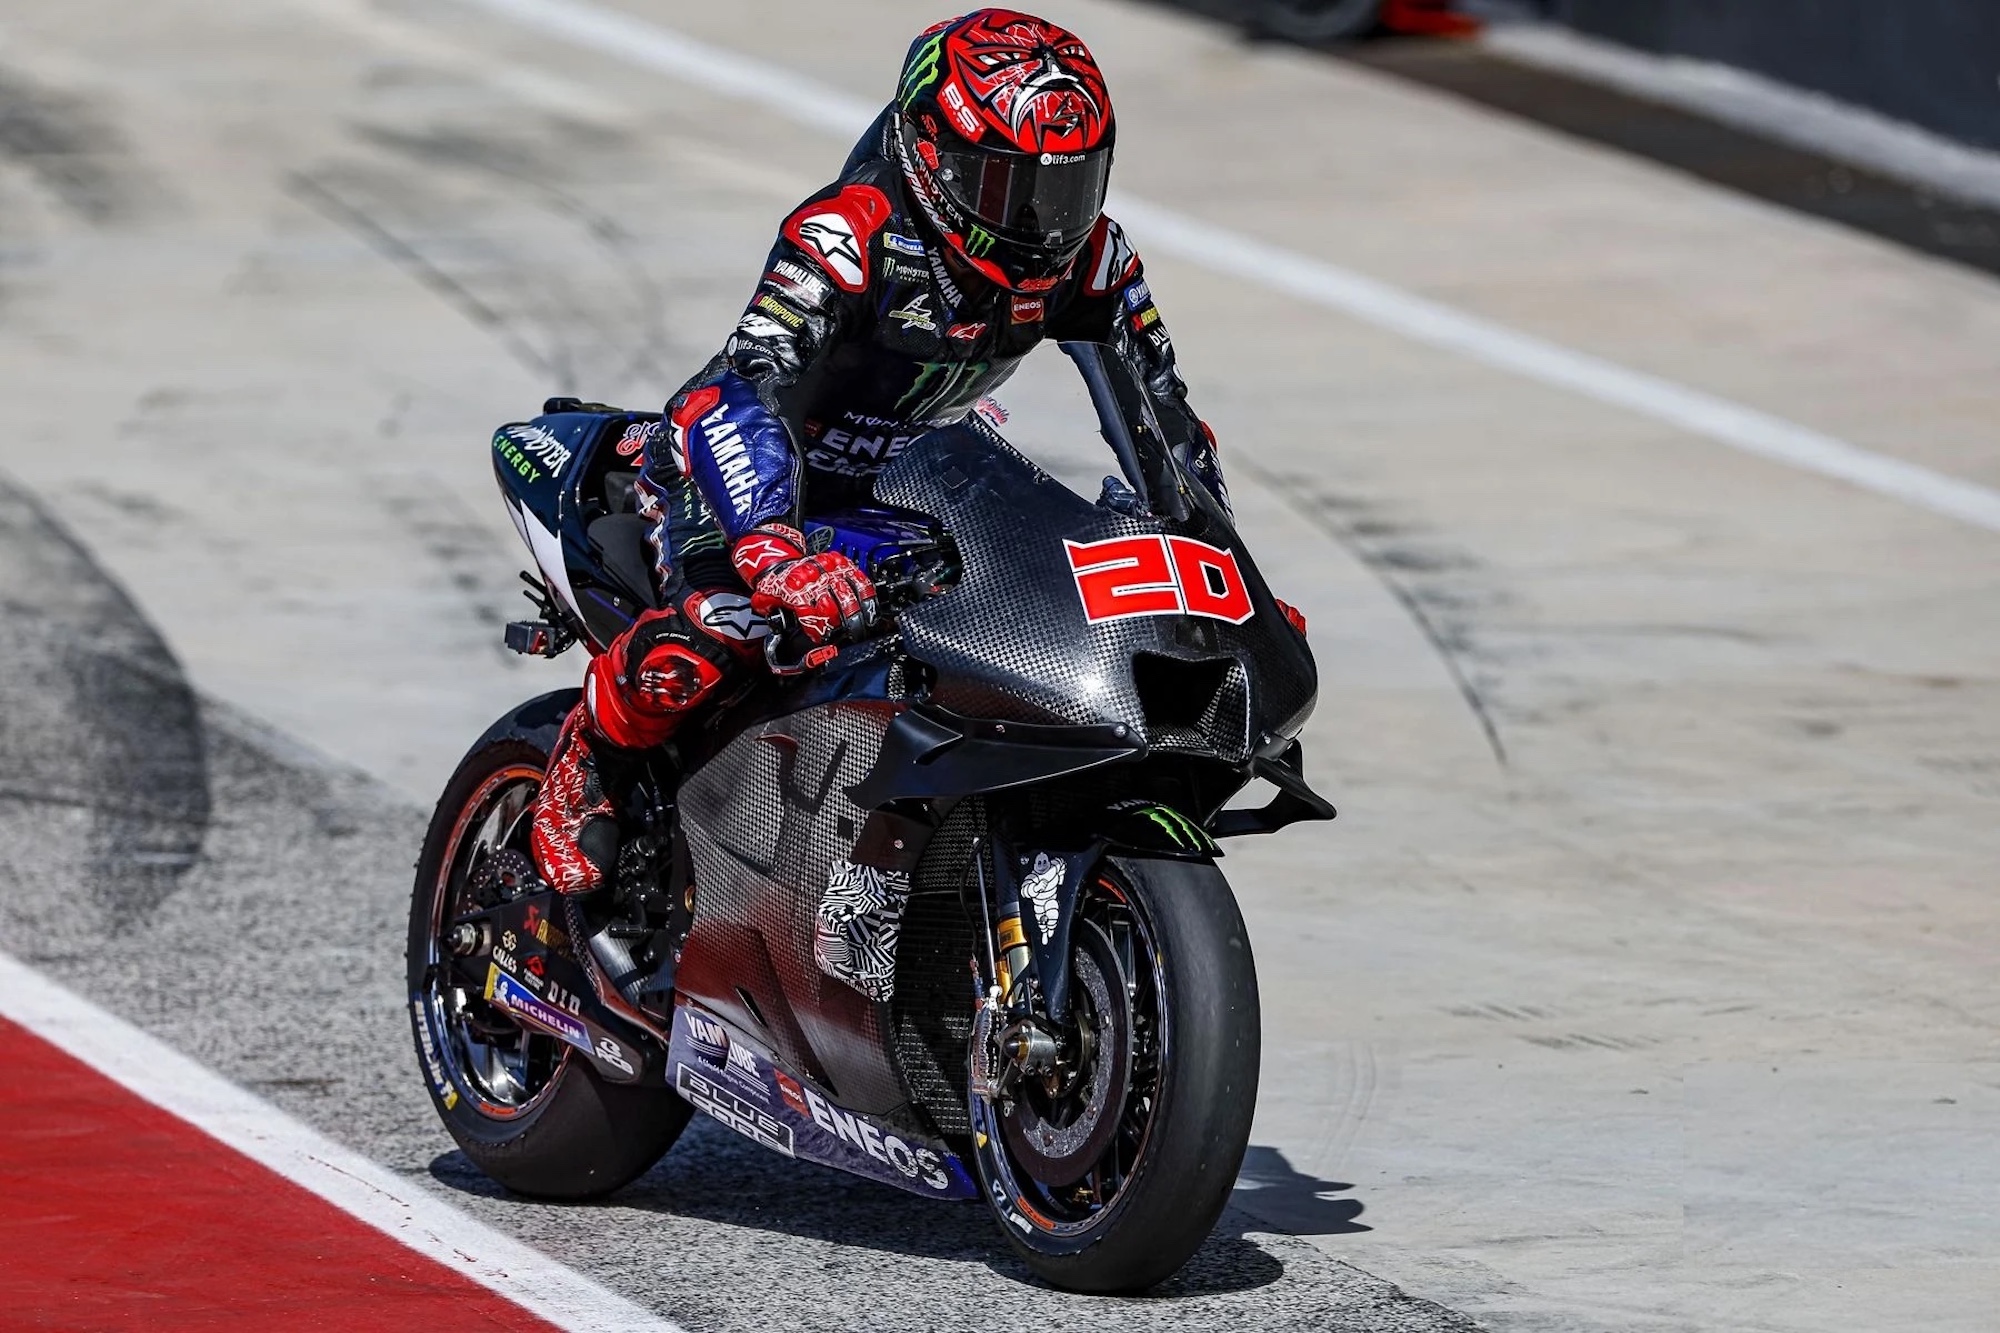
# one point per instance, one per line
(538, 638)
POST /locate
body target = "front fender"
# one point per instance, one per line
(1045, 882)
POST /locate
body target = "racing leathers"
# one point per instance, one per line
(861, 336)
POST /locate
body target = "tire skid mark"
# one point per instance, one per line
(59, 141)
(99, 717)
(316, 195)
(517, 167)
(1448, 642)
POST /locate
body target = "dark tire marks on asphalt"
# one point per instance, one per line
(97, 720)
(65, 149)
(484, 224)
(1448, 638)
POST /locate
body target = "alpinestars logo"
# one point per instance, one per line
(833, 238)
(1113, 258)
(727, 615)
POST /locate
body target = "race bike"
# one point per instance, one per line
(943, 912)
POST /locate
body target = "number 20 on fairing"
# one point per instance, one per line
(1158, 576)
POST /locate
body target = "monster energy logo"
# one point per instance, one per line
(1183, 831)
(980, 243)
(922, 70)
(939, 380)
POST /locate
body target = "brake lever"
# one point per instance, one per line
(785, 629)
(894, 588)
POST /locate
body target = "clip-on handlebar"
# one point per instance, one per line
(899, 580)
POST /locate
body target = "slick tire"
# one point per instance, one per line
(581, 1137)
(1207, 1092)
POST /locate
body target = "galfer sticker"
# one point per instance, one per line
(1158, 576)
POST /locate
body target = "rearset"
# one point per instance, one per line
(547, 636)
(538, 638)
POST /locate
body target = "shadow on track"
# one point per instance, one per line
(1272, 1190)
(713, 1176)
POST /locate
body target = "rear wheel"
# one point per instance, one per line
(522, 1105)
(1108, 1174)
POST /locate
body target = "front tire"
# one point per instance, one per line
(1188, 1086)
(524, 1107)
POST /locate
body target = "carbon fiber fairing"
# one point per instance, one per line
(1012, 641)
(768, 820)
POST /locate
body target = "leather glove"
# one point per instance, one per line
(826, 594)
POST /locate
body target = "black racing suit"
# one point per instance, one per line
(859, 338)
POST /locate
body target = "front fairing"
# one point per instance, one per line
(1013, 640)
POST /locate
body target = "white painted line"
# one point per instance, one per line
(1780, 111)
(345, 1179)
(1167, 231)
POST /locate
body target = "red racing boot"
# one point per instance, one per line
(636, 692)
(575, 834)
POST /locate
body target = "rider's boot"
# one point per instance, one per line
(635, 694)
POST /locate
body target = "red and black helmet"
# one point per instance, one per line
(1005, 137)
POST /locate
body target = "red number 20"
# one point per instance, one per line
(1158, 576)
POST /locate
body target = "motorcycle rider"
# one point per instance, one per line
(966, 227)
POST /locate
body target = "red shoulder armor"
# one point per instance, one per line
(836, 232)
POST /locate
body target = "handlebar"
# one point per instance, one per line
(900, 580)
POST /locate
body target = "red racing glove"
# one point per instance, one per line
(827, 594)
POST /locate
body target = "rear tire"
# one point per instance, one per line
(538, 1119)
(1176, 1182)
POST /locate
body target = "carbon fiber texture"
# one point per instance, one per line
(1010, 641)
(934, 987)
(766, 819)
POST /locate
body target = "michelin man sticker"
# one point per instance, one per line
(1042, 886)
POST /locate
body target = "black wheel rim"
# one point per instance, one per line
(1115, 958)
(503, 1070)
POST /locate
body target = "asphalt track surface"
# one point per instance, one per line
(1646, 981)
(213, 952)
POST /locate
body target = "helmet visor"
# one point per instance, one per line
(1048, 201)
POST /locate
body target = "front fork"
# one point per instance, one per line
(1027, 906)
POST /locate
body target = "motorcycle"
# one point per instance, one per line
(943, 912)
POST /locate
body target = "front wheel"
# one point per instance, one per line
(522, 1105)
(1108, 1175)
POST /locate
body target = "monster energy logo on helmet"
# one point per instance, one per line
(921, 70)
(979, 242)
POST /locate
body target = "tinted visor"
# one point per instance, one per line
(1047, 200)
